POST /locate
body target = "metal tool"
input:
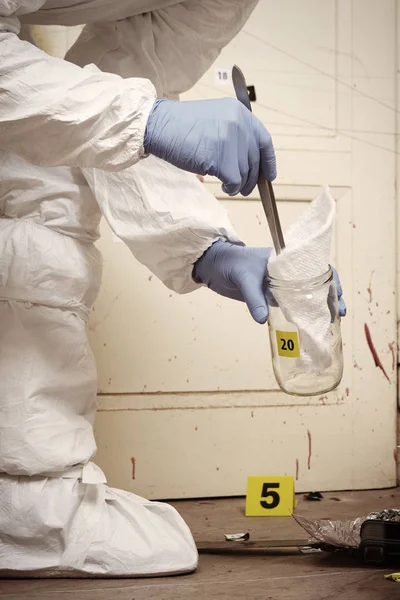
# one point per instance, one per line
(264, 187)
(241, 547)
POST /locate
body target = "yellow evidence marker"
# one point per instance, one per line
(270, 496)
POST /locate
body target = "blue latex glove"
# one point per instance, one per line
(240, 273)
(212, 137)
(342, 305)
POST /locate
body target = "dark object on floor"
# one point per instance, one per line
(313, 496)
(380, 540)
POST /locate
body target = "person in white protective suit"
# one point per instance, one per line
(71, 144)
(71, 140)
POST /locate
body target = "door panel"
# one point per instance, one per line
(202, 342)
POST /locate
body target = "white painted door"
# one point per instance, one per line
(186, 389)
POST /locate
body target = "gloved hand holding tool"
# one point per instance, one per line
(212, 137)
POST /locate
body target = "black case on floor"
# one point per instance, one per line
(380, 542)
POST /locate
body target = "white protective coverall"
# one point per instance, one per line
(70, 142)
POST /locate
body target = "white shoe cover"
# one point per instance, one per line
(63, 527)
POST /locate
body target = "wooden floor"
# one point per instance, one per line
(257, 577)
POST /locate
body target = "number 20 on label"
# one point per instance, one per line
(288, 344)
(270, 496)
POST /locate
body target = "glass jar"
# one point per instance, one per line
(305, 335)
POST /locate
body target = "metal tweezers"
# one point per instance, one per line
(264, 187)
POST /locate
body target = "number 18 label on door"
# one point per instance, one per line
(270, 496)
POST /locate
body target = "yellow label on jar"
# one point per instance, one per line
(288, 344)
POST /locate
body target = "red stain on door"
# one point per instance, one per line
(374, 353)
(309, 449)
